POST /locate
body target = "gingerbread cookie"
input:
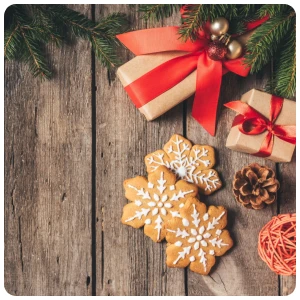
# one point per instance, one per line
(196, 236)
(191, 163)
(155, 201)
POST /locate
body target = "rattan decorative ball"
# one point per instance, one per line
(277, 244)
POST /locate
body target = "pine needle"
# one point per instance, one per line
(265, 41)
(30, 27)
(157, 12)
(284, 80)
(32, 55)
(196, 15)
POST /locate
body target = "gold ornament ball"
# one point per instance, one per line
(214, 37)
(234, 49)
(219, 26)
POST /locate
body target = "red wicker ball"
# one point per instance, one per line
(277, 244)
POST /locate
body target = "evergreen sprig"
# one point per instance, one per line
(266, 39)
(283, 82)
(30, 26)
(157, 11)
(273, 41)
(196, 15)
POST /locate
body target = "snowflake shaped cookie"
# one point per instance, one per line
(196, 236)
(191, 163)
(155, 201)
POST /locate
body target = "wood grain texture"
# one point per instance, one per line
(69, 145)
(237, 271)
(48, 172)
(287, 204)
(131, 264)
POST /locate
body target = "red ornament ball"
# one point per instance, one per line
(216, 50)
(277, 244)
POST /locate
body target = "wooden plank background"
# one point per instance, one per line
(70, 143)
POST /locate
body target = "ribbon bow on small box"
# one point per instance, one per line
(169, 73)
(269, 120)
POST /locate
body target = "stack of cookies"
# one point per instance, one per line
(168, 206)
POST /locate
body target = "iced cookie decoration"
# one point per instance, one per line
(196, 236)
(191, 163)
(155, 201)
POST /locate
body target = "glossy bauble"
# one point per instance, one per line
(214, 37)
(219, 26)
(234, 49)
(216, 50)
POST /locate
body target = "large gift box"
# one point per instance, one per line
(167, 71)
(265, 126)
(142, 64)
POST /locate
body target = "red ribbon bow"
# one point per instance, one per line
(167, 75)
(251, 122)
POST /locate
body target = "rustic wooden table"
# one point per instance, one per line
(70, 143)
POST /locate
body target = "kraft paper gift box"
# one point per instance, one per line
(142, 64)
(282, 151)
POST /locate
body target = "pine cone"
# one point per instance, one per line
(255, 186)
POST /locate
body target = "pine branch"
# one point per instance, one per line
(34, 56)
(157, 11)
(284, 80)
(77, 23)
(102, 35)
(265, 40)
(12, 43)
(273, 10)
(43, 26)
(246, 10)
(196, 15)
(29, 27)
(104, 52)
(112, 25)
(192, 21)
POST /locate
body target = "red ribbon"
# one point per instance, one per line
(167, 75)
(251, 122)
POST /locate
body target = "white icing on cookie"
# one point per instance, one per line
(139, 214)
(215, 221)
(198, 237)
(180, 194)
(185, 222)
(206, 235)
(191, 240)
(138, 202)
(181, 255)
(158, 203)
(185, 167)
(175, 213)
(150, 185)
(194, 231)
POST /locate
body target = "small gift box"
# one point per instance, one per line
(265, 126)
